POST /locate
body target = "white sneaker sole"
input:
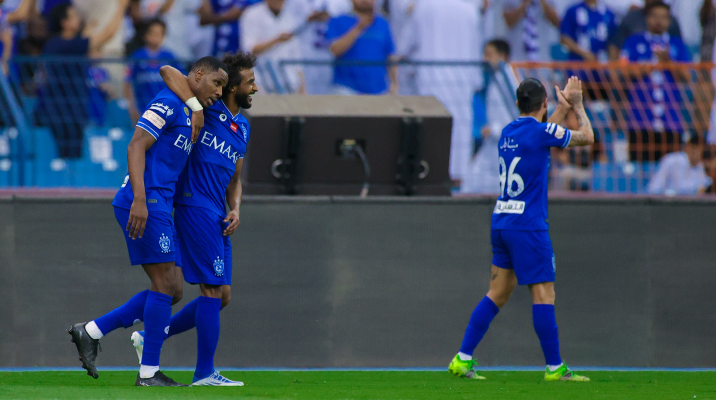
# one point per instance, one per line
(211, 382)
(138, 343)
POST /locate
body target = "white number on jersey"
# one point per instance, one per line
(508, 178)
(126, 179)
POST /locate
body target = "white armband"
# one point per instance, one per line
(194, 104)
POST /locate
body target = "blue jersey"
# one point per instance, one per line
(590, 28)
(524, 168)
(143, 74)
(226, 36)
(169, 121)
(220, 146)
(655, 99)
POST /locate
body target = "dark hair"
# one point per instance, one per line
(209, 64)
(56, 16)
(530, 95)
(657, 4)
(501, 46)
(236, 63)
(154, 21)
(692, 138)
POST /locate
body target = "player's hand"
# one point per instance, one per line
(573, 91)
(138, 215)
(233, 218)
(561, 98)
(197, 124)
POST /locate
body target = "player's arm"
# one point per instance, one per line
(584, 136)
(136, 159)
(233, 198)
(177, 83)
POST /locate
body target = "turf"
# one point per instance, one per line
(321, 385)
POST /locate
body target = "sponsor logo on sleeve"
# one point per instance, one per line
(560, 132)
(155, 119)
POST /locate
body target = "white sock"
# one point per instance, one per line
(147, 371)
(553, 368)
(464, 357)
(93, 331)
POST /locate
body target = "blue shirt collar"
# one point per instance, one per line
(226, 109)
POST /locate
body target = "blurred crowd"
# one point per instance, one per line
(149, 33)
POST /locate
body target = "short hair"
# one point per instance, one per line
(530, 95)
(154, 21)
(236, 63)
(501, 46)
(56, 16)
(210, 64)
(657, 4)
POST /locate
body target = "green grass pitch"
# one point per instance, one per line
(319, 385)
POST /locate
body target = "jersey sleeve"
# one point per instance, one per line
(553, 135)
(159, 114)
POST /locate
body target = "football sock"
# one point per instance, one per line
(464, 357)
(553, 368)
(479, 322)
(157, 312)
(125, 316)
(207, 335)
(93, 331)
(545, 325)
(146, 371)
(184, 320)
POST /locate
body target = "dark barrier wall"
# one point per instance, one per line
(379, 283)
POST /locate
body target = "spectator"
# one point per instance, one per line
(707, 18)
(63, 99)
(446, 31)
(267, 31)
(362, 37)
(681, 173)
(655, 121)
(35, 37)
(635, 22)
(224, 15)
(185, 38)
(48, 5)
(585, 29)
(500, 84)
(10, 15)
(710, 168)
(531, 28)
(312, 36)
(143, 79)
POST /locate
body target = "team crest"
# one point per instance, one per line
(218, 267)
(186, 111)
(223, 117)
(164, 243)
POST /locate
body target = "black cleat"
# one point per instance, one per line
(86, 347)
(159, 379)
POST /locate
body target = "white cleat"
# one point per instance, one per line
(138, 343)
(216, 379)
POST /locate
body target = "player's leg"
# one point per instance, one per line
(502, 283)
(150, 248)
(207, 329)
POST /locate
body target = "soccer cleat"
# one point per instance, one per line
(86, 347)
(138, 343)
(159, 379)
(464, 369)
(563, 373)
(215, 379)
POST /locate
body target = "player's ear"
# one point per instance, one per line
(199, 73)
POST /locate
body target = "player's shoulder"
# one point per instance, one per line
(167, 103)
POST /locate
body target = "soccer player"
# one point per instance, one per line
(156, 155)
(212, 178)
(521, 247)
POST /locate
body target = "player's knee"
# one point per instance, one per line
(499, 297)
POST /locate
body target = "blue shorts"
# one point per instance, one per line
(205, 251)
(528, 253)
(156, 244)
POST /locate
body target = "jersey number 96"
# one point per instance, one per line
(509, 178)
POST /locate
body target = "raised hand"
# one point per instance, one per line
(573, 91)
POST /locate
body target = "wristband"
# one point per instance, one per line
(194, 104)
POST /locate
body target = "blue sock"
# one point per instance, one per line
(479, 322)
(546, 327)
(157, 312)
(207, 335)
(124, 315)
(184, 320)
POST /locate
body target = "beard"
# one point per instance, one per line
(243, 101)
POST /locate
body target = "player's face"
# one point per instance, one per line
(154, 36)
(210, 86)
(658, 20)
(364, 5)
(246, 89)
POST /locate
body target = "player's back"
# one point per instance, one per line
(168, 120)
(221, 144)
(524, 158)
